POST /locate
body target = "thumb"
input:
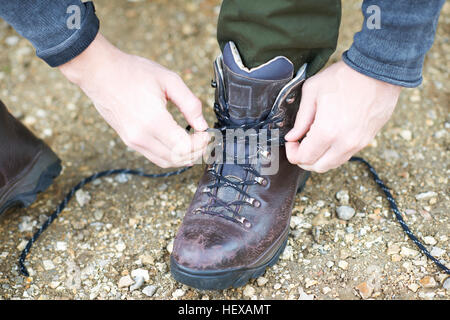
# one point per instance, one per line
(189, 105)
(305, 114)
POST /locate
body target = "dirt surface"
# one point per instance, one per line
(127, 223)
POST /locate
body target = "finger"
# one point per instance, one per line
(305, 115)
(189, 105)
(313, 146)
(332, 159)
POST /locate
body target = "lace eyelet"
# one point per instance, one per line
(290, 98)
(262, 181)
(213, 84)
(265, 153)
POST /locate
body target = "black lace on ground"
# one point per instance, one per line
(398, 214)
(70, 195)
(102, 174)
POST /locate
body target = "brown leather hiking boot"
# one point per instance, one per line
(238, 221)
(27, 165)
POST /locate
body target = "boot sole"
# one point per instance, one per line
(220, 280)
(37, 180)
(207, 280)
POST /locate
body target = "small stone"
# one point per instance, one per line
(140, 273)
(120, 246)
(296, 222)
(309, 283)
(343, 265)
(54, 284)
(121, 178)
(413, 287)
(446, 284)
(48, 265)
(22, 245)
(149, 291)
(288, 254)
(428, 282)
(406, 134)
(98, 215)
(365, 290)
(437, 252)
(178, 293)
(407, 252)
(170, 246)
(262, 281)
(429, 240)
(304, 296)
(125, 282)
(343, 197)
(393, 249)
(249, 291)
(326, 290)
(330, 264)
(12, 40)
(82, 197)
(396, 258)
(61, 246)
(345, 212)
(139, 281)
(426, 195)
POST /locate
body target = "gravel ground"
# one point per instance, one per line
(113, 242)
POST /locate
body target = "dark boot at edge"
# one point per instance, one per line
(27, 165)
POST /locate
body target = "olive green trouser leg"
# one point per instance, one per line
(301, 30)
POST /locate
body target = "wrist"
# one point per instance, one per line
(97, 56)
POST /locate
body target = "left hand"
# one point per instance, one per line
(341, 111)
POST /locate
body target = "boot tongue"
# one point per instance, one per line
(251, 93)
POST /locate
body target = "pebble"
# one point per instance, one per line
(413, 287)
(12, 40)
(437, 252)
(446, 284)
(249, 291)
(125, 282)
(27, 224)
(178, 293)
(54, 284)
(343, 197)
(406, 134)
(429, 240)
(345, 212)
(304, 296)
(343, 265)
(48, 265)
(407, 252)
(428, 282)
(149, 291)
(140, 273)
(139, 281)
(120, 246)
(426, 195)
(82, 197)
(365, 290)
(121, 178)
(261, 281)
(170, 246)
(98, 215)
(326, 290)
(288, 254)
(61, 246)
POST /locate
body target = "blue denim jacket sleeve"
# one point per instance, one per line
(395, 52)
(45, 24)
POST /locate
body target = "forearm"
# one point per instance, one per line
(395, 52)
(45, 24)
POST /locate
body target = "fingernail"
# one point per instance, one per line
(200, 124)
(289, 135)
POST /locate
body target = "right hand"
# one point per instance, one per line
(131, 94)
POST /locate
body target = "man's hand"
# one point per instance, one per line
(341, 112)
(131, 93)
